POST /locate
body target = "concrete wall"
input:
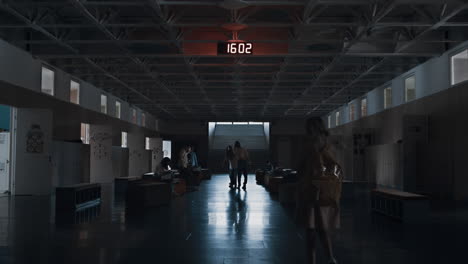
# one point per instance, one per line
(439, 163)
(139, 157)
(120, 161)
(20, 79)
(431, 77)
(67, 163)
(19, 68)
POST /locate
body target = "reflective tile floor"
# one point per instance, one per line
(215, 225)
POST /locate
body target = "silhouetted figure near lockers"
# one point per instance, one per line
(231, 160)
(319, 190)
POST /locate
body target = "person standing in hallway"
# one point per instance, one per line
(192, 157)
(319, 189)
(183, 159)
(242, 156)
(231, 159)
(184, 169)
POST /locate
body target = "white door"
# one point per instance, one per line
(33, 146)
(4, 162)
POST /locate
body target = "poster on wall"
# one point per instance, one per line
(136, 153)
(35, 140)
(100, 150)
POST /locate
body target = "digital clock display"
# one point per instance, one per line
(235, 48)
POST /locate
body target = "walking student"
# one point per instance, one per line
(231, 159)
(319, 191)
(242, 164)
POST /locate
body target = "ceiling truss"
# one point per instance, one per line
(337, 50)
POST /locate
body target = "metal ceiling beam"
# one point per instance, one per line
(270, 73)
(435, 26)
(217, 65)
(174, 38)
(141, 41)
(128, 54)
(282, 55)
(316, 24)
(207, 79)
(216, 3)
(375, 18)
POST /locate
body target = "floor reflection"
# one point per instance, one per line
(216, 225)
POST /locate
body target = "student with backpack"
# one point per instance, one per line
(319, 190)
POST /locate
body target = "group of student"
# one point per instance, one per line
(186, 165)
(238, 160)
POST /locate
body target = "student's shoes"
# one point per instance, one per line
(244, 187)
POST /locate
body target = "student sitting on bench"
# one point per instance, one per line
(268, 167)
(163, 169)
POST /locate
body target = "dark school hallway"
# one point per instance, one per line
(216, 225)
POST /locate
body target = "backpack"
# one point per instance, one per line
(330, 181)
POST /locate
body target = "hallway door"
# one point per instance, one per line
(4, 162)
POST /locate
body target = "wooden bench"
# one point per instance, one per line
(196, 179)
(121, 183)
(259, 176)
(400, 205)
(266, 178)
(274, 183)
(287, 193)
(206, 174)
(142, 194)
(179, 186)
(77, 197)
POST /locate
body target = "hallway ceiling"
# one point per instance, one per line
(310, 57)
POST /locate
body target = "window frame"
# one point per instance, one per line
(387, 88)
(51, 69)
(337, 118)
(133, 116)
(352, 112)
(118, 114)
(164, 144)
(147, 143)
(364, 99)
(86, 137)
(78, 94)
(143, 120)
(106, 103)
(123, 139)
(451, 73)
(406, 88)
